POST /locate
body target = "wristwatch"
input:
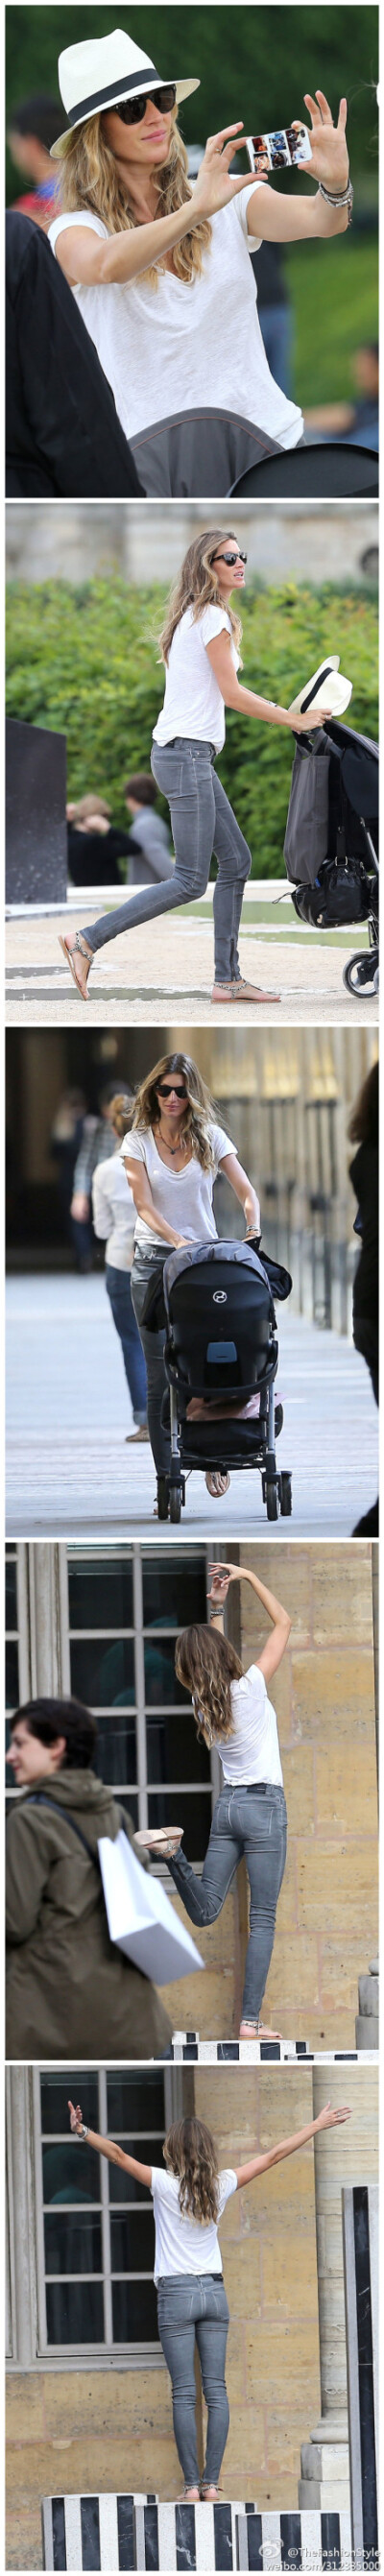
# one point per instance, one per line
(83, 2132)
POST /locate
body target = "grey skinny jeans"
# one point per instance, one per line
(202, 822)
(152, 1345)
(250, 1821)
(194, 2307)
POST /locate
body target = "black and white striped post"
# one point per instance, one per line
(187, 2049)
(295, 2540)
(90, 2531)
(361, 2283)
(111, 2532)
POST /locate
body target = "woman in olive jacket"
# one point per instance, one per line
(69, 1990)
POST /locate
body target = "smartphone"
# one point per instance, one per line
(289, 145)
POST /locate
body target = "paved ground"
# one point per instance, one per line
(172, 960)
(71, 1474)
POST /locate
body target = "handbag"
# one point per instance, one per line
(140, 1918)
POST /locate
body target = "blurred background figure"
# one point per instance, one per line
(35, 125)
(114, 1216)
(65, 1141)
(275, 313)
(96, 1143)
(355, 422)
(95, 845)
(149, 840)
(364, 1174)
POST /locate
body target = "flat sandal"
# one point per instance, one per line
(69, 953)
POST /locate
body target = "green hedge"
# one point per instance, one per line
(84, 662)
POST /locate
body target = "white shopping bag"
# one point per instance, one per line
(140, 1918)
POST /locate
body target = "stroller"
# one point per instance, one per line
(331, 841)
(221, 1348)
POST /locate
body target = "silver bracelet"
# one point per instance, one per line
(82, 2133)
(345, 197)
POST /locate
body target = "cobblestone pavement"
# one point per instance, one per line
(172, 959)
(72, 1474)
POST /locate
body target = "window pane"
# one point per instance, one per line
(11, 1675)
(73, 2244)
(100, 1593)
(133, 2242)
(11, 1619)
(70, 2174)
(193, 1813)
(122, 2186)
(134, 2310)
(161, 1683)
(54, 2102)
(116, 1750)
(75, 2312)
(174, 1750)
(131, 1808)
(174, 1593)
(135, 2100)
(104, 1674)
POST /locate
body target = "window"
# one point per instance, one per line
(124, 1610)
(96, 2233)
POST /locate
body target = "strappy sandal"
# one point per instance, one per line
(189, 2497)
(166, 1839)
(258, 2030)
(69, 954)
(206, 2491)
(218, 1485)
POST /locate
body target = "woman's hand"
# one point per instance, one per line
(222, 1576)
(329, 157)
(76, 2118)
(214, 187)
(308, 723)
(328, 2119)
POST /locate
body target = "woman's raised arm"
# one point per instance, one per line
(106, 2147)
(271, 1655)
(327, 2119)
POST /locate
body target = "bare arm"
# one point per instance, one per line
(274, 218)
(243, 1190)
(88, 261)
(106, 2147)
(272, 1653)
(144, 1203)
(327, 2119)
(245, 701)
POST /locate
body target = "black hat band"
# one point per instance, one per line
(313, 693)
(116, 89)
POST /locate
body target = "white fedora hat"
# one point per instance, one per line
(326, 688)
(100, 73)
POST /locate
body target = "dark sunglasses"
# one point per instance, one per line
(230, 559)
(165, 1089)
(134, 108)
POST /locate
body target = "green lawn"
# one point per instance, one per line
(334, 289)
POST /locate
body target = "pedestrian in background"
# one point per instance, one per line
(114, 1218)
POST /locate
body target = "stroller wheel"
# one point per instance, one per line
(360, 974)
(272, 1500)
(162, 1498)
(286, 1494)
(175, 1502)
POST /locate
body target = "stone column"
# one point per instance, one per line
(345, 2155)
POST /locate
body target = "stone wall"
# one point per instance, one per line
(83, 542)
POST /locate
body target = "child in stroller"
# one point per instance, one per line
(331, 841)
(221, 1358)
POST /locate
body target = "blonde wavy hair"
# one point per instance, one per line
(190, 2153)
(198, 587)
(120, 1111)
(89, 177)
(206, 1663)
(198, 1113)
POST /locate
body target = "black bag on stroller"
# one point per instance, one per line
(221, 1352)
(331, 841)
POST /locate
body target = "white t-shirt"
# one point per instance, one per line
(193, 704)
(252, 1752)
(183, 2244)
(165, 349)
(183, 1198)
(114, 1212)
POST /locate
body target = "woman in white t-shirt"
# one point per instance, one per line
(114, 1223)
(180, 327)
(200, 648)
(171, 1156)
(233, 1713)
(189, 2199)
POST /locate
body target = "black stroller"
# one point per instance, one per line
(221, 1346)
(331, 842)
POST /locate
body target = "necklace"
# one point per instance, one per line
(171, 1149)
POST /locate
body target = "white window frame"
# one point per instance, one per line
(134, 1554)
(108, 2351)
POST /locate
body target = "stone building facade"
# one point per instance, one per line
(80, 542)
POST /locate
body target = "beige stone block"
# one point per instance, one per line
(338, 1681)
(342, 1594)
(242, 2279)
(346, 1789)
(289, 2279)
(102, 2402)
(283, 2358)
(23, 2540)
(293, 1983)
(299, 1783)
(332, 1887)
(24, 2424)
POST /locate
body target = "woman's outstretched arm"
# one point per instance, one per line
(106, 2147)
(327, 2119)
(271, 1655)
(271, 217)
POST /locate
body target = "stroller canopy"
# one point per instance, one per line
(220, 1317)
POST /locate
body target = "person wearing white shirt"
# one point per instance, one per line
(189, 2199)
(114, 1223)
(233, 1712)
(173, 1151)
(199, 644)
